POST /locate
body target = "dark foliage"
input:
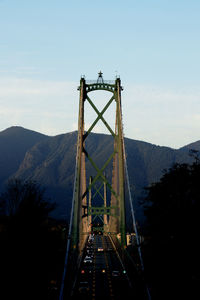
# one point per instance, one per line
(29, 248)
(172, 249)
(25, 198)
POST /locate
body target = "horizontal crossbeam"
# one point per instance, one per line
(100, 86)
(102, 210)
(98, 228)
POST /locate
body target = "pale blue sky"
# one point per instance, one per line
(154, 45)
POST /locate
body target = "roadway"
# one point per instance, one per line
(102, 277)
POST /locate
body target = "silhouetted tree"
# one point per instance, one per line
(172, 251)
(22, 195)
(27, 244)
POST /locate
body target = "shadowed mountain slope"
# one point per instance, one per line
(51, 162)
(14, 142)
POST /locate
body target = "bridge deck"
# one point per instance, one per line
(104, 277)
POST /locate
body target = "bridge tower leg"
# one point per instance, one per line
(118, 178)
(80, 202)
(83, 211)
(105, 217)
(121, 165)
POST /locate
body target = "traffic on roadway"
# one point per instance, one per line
(101, 274)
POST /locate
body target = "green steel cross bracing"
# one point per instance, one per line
(100, 116)
(100, 173)
(98, 190)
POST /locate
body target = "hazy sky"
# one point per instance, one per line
(154, 45)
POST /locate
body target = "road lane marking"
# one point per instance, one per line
(108, 271)
(94, 275)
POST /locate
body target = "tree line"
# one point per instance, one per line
(171, 248)
(32, 244)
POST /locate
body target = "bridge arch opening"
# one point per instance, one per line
(99, 98)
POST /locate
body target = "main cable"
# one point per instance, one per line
(132, 212)
(69, 232)
(133, 218)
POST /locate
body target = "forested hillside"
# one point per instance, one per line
(50, 161)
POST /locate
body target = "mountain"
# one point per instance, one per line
(193, 146)
(14, 142)
(51, 162)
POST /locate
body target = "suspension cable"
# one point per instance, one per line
(69, 232)
(134, 220)
(130, 198)
(132, 212)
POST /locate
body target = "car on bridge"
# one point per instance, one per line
(84, 287)
(100, 249)
(87, 260)
(115, 274)
(109, 249)
(90, 250)
(91, 238)
(89, 246)
(90, 254)
(86, 271)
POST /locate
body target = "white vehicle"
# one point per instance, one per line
(91, 238)
(87, 259)
(89, 253)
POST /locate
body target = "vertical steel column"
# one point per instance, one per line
(77, 204)
(120, 137)
(90, 203)
(105, 217)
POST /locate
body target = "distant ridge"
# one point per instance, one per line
(14, 142)
(18, 130)
(50, 160)
(193, 146)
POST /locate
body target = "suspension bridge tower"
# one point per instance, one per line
(112, 211)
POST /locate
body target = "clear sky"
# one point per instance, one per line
(153, 45)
